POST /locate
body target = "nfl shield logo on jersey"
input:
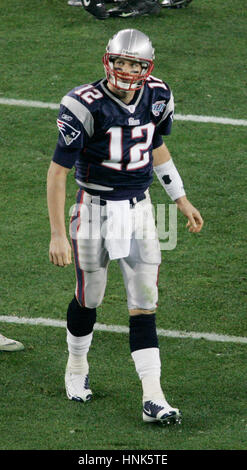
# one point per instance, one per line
(68, 132)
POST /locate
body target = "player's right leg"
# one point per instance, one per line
(91, 262)
(80, 322)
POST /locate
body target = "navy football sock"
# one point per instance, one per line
(142, 333)
(80, 320)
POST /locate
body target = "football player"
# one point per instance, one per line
(111, 132)
(124, 9)
(127, 8)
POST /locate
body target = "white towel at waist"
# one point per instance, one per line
(118, 229)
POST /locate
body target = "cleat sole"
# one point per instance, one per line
(79, 399)
(165, 421)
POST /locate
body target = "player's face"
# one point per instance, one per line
(126, 70)
(129, 67)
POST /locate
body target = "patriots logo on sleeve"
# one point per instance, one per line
(68, 132)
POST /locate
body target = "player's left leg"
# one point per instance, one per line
(140, 272)
(146, 356)
(145, 353)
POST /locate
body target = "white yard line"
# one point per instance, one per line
(124, 329)
(211, 119)
(178, 117)
(28, 103)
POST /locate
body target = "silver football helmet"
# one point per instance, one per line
(175, 3)
(130, 44)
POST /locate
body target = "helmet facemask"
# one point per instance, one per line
(126, 81)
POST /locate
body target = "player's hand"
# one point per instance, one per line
(60, 251)
(195, 220)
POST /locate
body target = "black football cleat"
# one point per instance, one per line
(96, 8)
(161, 412)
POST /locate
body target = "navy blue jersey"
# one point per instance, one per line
(109, 142)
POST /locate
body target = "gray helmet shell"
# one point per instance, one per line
(131, 43)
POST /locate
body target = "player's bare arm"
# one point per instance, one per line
(60, 250)
(161, 156)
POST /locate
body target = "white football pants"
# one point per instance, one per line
(139, 269)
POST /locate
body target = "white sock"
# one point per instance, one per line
(148, 368)
(78, 347)
(152, 389)
(77, 364)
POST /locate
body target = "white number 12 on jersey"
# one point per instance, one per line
(139, 156)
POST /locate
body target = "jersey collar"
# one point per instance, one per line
(131, 107)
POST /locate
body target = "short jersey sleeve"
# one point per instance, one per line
(162, 103)
(157, 139)
(164, 125)
(74, 123)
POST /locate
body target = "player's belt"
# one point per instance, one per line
(133, 201)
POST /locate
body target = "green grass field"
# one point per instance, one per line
(47, 48)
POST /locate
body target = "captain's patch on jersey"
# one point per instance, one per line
(68, 132)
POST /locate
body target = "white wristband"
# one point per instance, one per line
(170, 179)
